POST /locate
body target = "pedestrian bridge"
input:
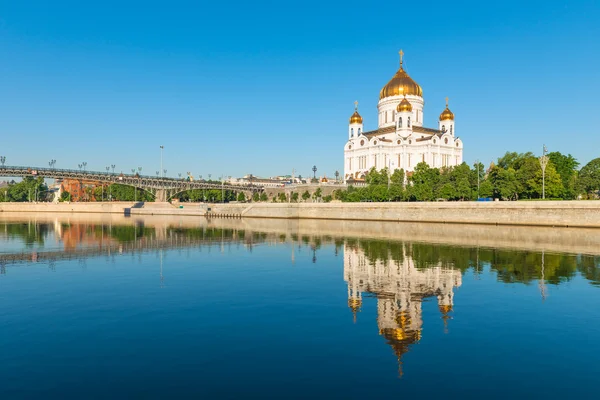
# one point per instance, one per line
(162, 188)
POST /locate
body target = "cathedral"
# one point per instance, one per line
(400, 141)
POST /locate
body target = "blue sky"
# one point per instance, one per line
(266, 87)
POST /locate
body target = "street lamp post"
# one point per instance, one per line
(51, 163)
(164, 173)
(161, 156)
(2, 160)
(314, 170)
(337, 175)
(477, 165)
(134, 187)
(84, 165)
(543, 163)
(80, 166)
(113, 166)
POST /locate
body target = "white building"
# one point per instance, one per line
(401, 140)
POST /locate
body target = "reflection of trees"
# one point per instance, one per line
(589, 267)
(511, 266)
(30, 233)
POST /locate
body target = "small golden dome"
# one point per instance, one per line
(356, 118)
(446, 114)
(404, 105)
(401, 84)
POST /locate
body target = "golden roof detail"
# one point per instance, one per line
(447, 114)
(401, 84)
(404, 106)
(356, 118)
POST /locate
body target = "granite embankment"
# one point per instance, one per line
(533, 213)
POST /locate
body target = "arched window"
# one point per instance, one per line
(351, 132)
(451, 129)
(399, 122)
(393, 116)
(408, 122)
(443, 128)
(358, 131)
(386, 117)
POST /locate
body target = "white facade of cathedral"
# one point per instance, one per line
(400, 141)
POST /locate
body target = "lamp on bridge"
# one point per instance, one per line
(2, 160)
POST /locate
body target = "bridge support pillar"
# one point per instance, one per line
(161, 195)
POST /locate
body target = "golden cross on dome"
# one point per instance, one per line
(446, 102)
(356, 105)
(401, 55)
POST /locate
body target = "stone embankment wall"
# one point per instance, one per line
(536, 213)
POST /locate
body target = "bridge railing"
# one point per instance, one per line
(7, 170)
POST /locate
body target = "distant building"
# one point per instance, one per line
(80, 190)
(401, 140)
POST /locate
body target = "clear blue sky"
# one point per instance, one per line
(266, 87)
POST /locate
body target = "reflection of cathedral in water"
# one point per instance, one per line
(400, 288)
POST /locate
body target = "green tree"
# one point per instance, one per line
(241, 197)
(26, 189)
(504, 183)
(317, 194)
(552, 182)
(589, 178)
(566, 167)
(264, 197)
(423, 181)
(397, 177)
(305, 195)
(485, 189)
(282, 197)
(295, 196)
(256, 196)
(327, 198)
(65, 196)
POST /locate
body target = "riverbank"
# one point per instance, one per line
(529, 213)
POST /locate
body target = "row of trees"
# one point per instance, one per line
(29, 189)
(515, 176)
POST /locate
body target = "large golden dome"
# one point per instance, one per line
(447, 114)
(401, 84)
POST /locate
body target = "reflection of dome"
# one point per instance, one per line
(354, 304)
(445, 309)
(404, 105)
(401, 84)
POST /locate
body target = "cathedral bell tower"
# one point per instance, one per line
(446, 123)
(404, 112)
(355, 128)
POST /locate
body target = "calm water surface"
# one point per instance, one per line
(167, 308)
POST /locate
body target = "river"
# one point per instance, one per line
(103, 306)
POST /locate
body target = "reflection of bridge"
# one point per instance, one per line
(110, 248)
(161, 187)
